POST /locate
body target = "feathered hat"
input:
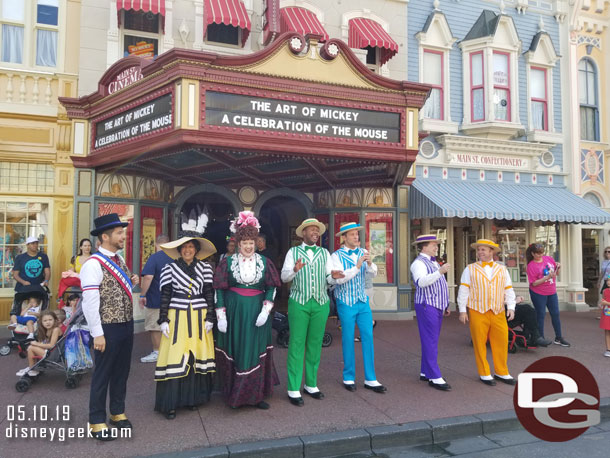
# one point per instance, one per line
(192, 228)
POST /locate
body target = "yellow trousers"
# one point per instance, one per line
(484, 326)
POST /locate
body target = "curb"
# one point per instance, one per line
(366, 440)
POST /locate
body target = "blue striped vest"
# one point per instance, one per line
(354, 290)
(436, 294)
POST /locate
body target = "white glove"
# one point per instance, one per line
(165, 329)
(222, 320)
(262, 317)
(208, 326)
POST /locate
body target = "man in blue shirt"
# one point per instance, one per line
(31, 267)
(150, 296)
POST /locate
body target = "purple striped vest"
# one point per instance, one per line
(436, 294)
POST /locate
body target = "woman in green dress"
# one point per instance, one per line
(245, 285)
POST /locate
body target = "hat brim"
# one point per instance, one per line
(419, 242)
(475, 245)
(357, 228)
(299, 230)
(97, 231)
(171, 248)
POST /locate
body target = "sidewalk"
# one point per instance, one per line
(397, 356)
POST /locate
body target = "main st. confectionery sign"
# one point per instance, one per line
(260, 113)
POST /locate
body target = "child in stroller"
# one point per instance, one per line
(20, 334)
(523, 328)
(29, 314)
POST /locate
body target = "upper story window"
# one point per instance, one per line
(368, 34)
(477, 86)
(29, 36)
(433, 63)
(141, 34)
(226, 22)
(588, 100)
(539, 99)
(501, 83)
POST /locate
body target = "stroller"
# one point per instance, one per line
(70, 355)
(19, 335)
(280, 324)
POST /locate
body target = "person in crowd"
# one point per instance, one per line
(107, 305)
(186, 365)
(605, 318)
(230, 249)
(261, 246)
(604, 271)
(31, 267)
(542, 277)
(431, 305)
(525, 316)
(47, 335)
(353, 306)
(84, 253)
(485, 286)
(150, 295)
(245, 285)
(310, 269)
(29, 314)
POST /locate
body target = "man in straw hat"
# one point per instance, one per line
(310, 269)
(108, 307)
(353, 306)
(484, 288)
(431, 304)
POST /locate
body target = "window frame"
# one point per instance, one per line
(53, 28)
(239, 44)
(440, 87)
(546, 96)
(595, 107)
(507, 88)
(481, 86)
(23, 25)
(138, 33)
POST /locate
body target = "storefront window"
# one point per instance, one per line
(19, 220)
(151, 226)
(548, 236)
(380, 243)
(416, 231)
(125, 213)
(342, 218)
(325, 239)
(512, 238)
(438, 227)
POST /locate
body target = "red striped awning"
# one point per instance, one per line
(227, 12)
(366, 32)
(301, 20)
(152, 6)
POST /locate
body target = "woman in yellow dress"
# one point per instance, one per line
(84, 252)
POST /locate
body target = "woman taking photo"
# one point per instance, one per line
(84, 252)
(542, 277)
(186, 354)
(245, 285)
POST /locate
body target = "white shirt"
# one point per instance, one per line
(288, 272)
(420, 274)
(352, 271)
(464, 291)
(91, 276)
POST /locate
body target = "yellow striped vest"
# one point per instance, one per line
(486, 294)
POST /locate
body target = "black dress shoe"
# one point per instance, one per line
(317, 395)
(350, 387)
(263, 405)
(121, 424)
(376, 389)
(103, 435)
(440, 386)
(191, 408)
(296, 401)
(488, 382)
(508, 381)
(423, 378)
(170, 415)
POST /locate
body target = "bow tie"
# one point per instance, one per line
(433, 258)
(490, 263)
(310, 248)
(351, 252)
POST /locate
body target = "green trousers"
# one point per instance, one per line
(307, 325)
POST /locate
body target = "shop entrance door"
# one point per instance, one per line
(590, 265)
(465, 233)
(279, 217)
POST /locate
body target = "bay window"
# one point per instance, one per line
(501, 86)
(477, 87)
(539, 98)
(433, 63)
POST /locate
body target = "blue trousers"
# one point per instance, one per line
(429, 321)
(360, 314)
(541, 303)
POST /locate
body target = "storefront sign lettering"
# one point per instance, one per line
(489, 160)
(233, 110)
(146, 118)
(125, 78)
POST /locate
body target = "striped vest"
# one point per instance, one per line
(352, 291)
(436, 294)
(310, 282)
(487, 294)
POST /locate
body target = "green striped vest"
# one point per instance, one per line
(310, 281)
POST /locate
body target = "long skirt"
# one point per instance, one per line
(244, 354)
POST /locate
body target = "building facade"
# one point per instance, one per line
(38, 63)
(498, 160)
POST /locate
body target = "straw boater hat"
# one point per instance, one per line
(310, 222)
(171, 248)
(425, 238)
(488, 243)
(346, 227)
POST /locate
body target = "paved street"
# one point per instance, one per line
(397, 357)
